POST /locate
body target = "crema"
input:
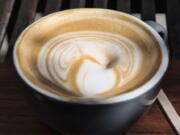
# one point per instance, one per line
(88, 53)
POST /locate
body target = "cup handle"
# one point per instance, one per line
(159, 29)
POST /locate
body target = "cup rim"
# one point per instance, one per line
(147, 86)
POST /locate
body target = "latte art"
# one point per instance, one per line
(87, 55)
(89, 63)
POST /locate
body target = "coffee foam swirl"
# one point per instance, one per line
(83, 54)
(90, 63)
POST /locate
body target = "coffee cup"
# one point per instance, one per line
(91, 71)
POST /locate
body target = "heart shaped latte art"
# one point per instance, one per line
(89, 63)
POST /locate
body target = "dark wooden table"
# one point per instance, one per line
(17, 116)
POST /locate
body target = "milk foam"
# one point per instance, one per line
(89, 63)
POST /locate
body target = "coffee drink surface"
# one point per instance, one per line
(88, 53)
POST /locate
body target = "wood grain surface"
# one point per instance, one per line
(16, 114)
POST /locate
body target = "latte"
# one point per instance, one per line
(88, 53)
